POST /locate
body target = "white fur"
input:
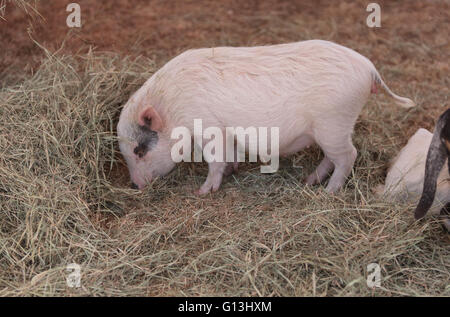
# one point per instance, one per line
(404, 180)
(312, 90)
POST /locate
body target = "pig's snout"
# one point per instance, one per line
(138, 185)
(134, 186)
(139, 182)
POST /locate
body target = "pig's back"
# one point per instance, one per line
(262, 84)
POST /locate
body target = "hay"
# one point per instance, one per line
(29, 7)
(65, 197)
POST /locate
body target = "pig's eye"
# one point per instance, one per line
(140, 150)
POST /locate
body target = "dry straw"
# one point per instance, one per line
(64, 198)
(29, 7)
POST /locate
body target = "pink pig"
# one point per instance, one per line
(313, 91)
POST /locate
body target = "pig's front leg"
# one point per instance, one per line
(214, 179)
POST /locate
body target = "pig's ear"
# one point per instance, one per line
(150, 118)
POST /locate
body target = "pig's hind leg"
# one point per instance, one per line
(340, 152)
(321, 172)
(325, 167)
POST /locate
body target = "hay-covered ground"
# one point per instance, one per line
(64, 189)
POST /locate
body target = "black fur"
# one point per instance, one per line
(438, 152)
(445, 217)
(146, 140)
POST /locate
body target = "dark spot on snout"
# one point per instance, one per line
(140, 150)
(134, 186)
(146, 140)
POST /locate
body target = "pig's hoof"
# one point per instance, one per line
(206, 190)
(198, 192)
(202, 192)
(311, 180)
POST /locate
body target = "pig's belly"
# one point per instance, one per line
(297, 144)
(286, 147)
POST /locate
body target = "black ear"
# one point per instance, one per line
(437, 154)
